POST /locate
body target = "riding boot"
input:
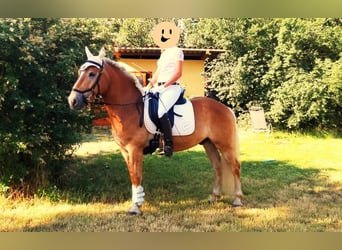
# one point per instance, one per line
(165, 127)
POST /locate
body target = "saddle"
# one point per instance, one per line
(153, 105)
(181, 117)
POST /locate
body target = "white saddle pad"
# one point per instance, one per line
(183, 125)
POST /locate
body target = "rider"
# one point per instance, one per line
(166, 79)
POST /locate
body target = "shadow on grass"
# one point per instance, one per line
(177, 190)
(186, 176)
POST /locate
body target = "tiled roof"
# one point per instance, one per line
(154, 52)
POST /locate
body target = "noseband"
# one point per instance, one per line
(96, 83)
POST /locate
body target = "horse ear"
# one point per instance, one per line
(102, 53)
(89, 54)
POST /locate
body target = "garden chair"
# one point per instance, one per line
(259, 122)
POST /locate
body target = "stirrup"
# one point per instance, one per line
(160, 151)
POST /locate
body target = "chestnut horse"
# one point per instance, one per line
(122, 94)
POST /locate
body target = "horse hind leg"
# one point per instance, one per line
(215, 159)
(231, 168)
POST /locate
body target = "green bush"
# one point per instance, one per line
(38, 131)
(299, 103)
(289, 66)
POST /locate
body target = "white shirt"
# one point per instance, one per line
(167, 63)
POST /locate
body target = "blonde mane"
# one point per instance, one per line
(132, 77)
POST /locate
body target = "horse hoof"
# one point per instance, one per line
(134, 213)
(214, 198)
(134, 210)
(237, 203)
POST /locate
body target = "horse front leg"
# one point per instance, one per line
(134, 161)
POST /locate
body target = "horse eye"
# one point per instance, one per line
(91, 74)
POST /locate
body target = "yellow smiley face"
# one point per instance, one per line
(166, 35)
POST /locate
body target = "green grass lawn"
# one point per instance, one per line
(291, 183)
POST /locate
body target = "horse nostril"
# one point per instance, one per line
(76, 100)
(72, 102)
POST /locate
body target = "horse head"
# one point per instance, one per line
(87, 86)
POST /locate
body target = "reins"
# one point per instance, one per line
(98, 101)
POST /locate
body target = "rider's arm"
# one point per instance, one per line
(153, 80)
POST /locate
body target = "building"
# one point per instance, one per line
(144, 62)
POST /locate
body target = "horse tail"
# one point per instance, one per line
(230, 160)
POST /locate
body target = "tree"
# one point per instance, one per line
(238, 74)
(302, 98)
(136, 32)
(288, 66)
(37, 129)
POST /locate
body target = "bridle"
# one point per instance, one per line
(98, 97)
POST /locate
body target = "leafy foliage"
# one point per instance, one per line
(238, 74)
(288, 66)
(136, 32)
(37, 129)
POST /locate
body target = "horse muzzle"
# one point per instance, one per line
(77, 100)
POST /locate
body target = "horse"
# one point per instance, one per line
(104, 81)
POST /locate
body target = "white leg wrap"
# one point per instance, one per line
(138, 195)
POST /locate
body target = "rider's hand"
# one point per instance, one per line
(146, 89)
